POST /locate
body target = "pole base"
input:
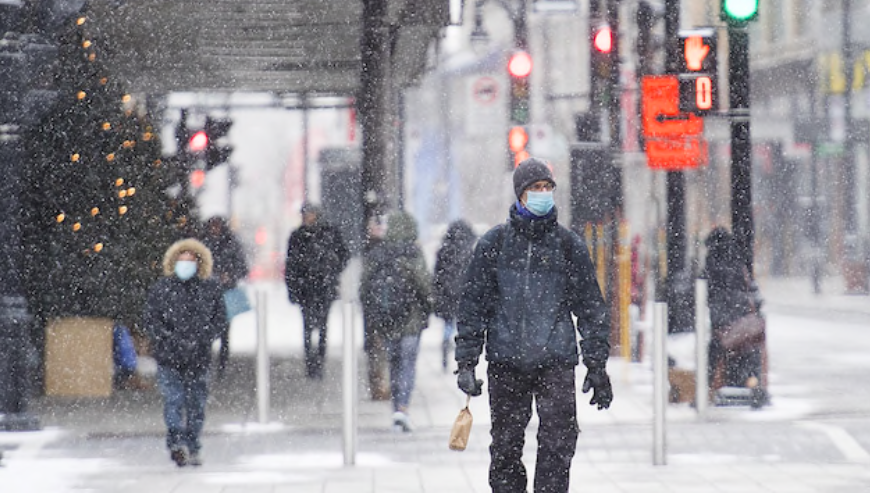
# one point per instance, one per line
(19, 422)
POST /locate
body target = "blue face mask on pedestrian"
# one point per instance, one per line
(539, 203)
(185, 269)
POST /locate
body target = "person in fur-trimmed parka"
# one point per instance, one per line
(183, 316)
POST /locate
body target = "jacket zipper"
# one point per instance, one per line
(528, 275)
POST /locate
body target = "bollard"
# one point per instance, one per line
(349, 386)
(702, 339)
(660, 380)
(262, 361)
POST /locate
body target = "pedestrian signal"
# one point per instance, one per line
(518, 139)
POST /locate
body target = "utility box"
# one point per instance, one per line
(78, 357)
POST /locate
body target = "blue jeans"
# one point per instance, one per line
(402, 354)
(449, 329)
(184, 397)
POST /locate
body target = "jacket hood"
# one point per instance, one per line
(401, 227)
(205, 265)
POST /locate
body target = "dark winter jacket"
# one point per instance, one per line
(525, 279)
(230, 265)
(729, 293)
(398, 250)
(183, 318)
(316, 256)
(450, 264)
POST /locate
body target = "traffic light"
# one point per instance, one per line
(518, 140)
(698, 71)
(197, 178)
(738, 11)
(198, 142)
(216, 153)
(601, 47)
(603, 40)
(519, 69)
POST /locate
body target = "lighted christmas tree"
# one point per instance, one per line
(97, 217)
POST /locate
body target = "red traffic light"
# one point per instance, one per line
(520, 64)
(197, 178)
(198, 142)
(517, 139)
(603, 39)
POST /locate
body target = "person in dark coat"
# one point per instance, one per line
(730, 296)
(526, 279)
(398, 255)
(450, 263)
(230, 267)
(183, 315)
(316, 256)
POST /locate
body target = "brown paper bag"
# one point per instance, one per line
(461, 428)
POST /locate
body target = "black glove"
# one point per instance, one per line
(467, 382)
(598, 381)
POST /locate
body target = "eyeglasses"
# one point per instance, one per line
(542, 186)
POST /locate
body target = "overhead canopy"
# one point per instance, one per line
(284, 46)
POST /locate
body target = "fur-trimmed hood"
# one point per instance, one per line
(203, 254)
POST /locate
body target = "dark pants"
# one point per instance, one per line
(510, 400)
(314, 315)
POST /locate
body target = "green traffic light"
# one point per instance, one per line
(740, 10)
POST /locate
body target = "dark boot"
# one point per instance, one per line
(179, 456)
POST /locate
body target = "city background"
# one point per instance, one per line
(372, 106)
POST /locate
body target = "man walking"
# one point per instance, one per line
(316, 256)
(183, 315)
(526, 279)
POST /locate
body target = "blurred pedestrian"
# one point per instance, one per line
(395, 293)
(230, 267)
(183, 316)
(526, 279)
(316, 256)
(731, 294)
(451, 262)
(375, 344)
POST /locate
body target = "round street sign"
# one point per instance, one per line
(485, 90)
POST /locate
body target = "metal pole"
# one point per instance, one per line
(660, 380)
(349, 386)
(702, 338)
(675, 186)
(850, 217)
(741, 143)
(263, 388)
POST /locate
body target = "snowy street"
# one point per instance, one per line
(815, 436)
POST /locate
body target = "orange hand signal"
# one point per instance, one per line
(695, 52)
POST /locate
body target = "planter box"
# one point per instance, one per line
(682, 385)
(78, 357)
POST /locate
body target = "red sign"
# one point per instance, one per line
(673, 140)
(673, 153)
(660, 109)
(485, 90)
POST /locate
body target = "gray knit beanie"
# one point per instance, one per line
(529, 171)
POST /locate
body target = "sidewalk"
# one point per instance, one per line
(796, 296)
(116, 445)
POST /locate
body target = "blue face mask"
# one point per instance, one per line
(185, 270)
(539, 203)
